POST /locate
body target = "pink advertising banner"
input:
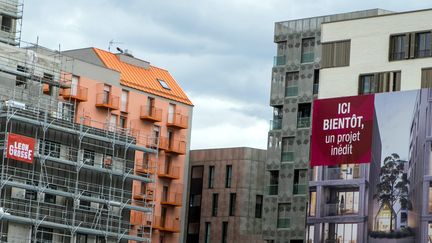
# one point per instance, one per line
(342, 130)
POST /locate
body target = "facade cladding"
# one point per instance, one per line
(105, 168)
(294, 85)
(226, 195)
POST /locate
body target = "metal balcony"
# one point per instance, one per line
(172, 199)
(166, 225)
(173, 172)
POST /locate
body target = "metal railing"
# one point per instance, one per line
(279, 61)
(177, 120)
(107, 100)
(303, 122)
(151, 113)
(300, 188)
(307, 57)
(291, 91)
(276, 124)
(75, 93)
(287, 156)
(273, 189)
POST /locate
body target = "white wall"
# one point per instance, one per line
(370, 38)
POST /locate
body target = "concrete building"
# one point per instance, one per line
(294, 85)
(226, 195)
(128, 94)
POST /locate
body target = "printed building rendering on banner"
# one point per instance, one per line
(20, 148)
(342, 130)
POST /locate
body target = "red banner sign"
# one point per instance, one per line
(342, 130)
(20, 148)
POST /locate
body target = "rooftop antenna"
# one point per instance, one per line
(111, 43)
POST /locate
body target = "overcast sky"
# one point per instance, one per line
(220, 51)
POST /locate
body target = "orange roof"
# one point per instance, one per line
(144, 79)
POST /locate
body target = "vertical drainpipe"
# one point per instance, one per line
(186, 185)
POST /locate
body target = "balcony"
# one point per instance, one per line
(279, 61)
(165, 225)
(176, 147)
(147, 195)
(105, 100)
(283, 223)
(172, 199)
(145, 167)
(342, 173)
(273, 189)
(163, 143)
(78, 93)
(303, 122)
(151, 114)
(291, 91)
(276, 124)
(307, 57)
(172, 172)
(339, 209)
(287, 156)
(300, 188)
(177, 120)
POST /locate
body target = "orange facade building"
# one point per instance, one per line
(118, 92)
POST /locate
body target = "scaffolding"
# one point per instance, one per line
(11, 24)
(80, 182)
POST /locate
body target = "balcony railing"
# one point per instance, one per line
(337, 209)
(78, 93)
(172, 199)
(308, 57)
(303, 122)
(273, 189)
(291, 91)
(300, 188)
(276, 124)
(107, 101)
(279, 61)
(151, 114)
(145, 167)
(177, 120)
(147, 195)
(176, 147)
(287, 156)
(338, 173)
(163, 143)
(283, 223)
(172, 172)
(166, 225)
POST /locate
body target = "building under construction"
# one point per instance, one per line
(70, 175)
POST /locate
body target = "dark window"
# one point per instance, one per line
(291, 84)
(426, 78)
(232, 206)
(81, 238)
(207, 232)
(195, 200)
(215, 204)
(6, 23)
(258, 206)
(228, 176)
(44, 234)
(422, 45)
(379, 82)
(300, 186)
(29, 194)
(123, 123)
(316, 82)
(308, 47)
(224, 232)
(211, 177)
(284, 215)
(303, 115)
(50, 198)
(21, 80)
(398, 47)
(367, 84)
(274, 182)
(52, 149)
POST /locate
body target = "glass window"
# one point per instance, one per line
(228, 177)
(367, 84)
(303, 115)
(397, 47)
(312, 204)
(52, 149)
(274, 182)
(288, 149)
(284, 215)
(211, 177)
(423, 42)
(308, 47)
(258, 206)
(291, 84)
(207, 232)
(224, 232)
(316, 82)
(215, 204)
(232, 206)
(430, 199)
(310, 233)
(122, 122)
(164, 84)
(124, 100)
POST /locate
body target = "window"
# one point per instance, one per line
(300, 182)
(232, 204)
(195, 200)
(224, 232)
(21, 80)
(197, 172)
(335, 54)
(112, 123)
(340, 232)
(291, 84)
(44, 234)
(81, 238)
(303, 115)
(426, 78)
(398, 47)
(163, 84)
(308, 46)
(150, 106)
(283, 215)
(312, 204)
(124, 100)
(379, 82)
(258, 206)
(277, 118)
(52, 149)
(88, 157)
(430, 199)
(316, 82)
(228, 176)
(122, 122)
(287, 149)
(207, 232)
(215, 204)
(50, 198)
(274, 182)
(6, 23)
(107, 93)
(422, 44)
(310, 229)
(211, 177)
